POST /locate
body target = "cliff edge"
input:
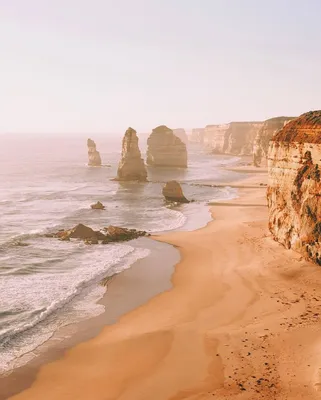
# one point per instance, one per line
(294, 187)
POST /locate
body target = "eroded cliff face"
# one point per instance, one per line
(294, 188)
(236, 138)
(240, 137)
(215, 138)
(94, 159)
(263, 137)
(165, 149)
(131, 166)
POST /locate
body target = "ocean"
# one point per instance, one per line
(46, 185)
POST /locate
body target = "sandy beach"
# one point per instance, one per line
(240, 322)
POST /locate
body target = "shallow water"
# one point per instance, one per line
(46, 185)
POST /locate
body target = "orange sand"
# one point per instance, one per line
(241, 322)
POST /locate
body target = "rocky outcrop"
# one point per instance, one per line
(294, 188)
(131, 166)
(89, 236)
(165, 149)
(263, 137)
(180, 133)
(98, 206)
(94, 159)
(172, 191)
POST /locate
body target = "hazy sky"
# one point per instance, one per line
(104, 65)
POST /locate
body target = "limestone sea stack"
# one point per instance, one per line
(94, 159)
(263, 137)
(172, 191)
(131, 166)
(165, 149)
(294, 187)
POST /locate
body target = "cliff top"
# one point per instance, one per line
(304, 129)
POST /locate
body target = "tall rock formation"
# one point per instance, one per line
(165, 149)
(294, 189)
(131, 166)
(180, 133)
(94, 159)
(263, 137)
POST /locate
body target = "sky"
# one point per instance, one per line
(87, 66)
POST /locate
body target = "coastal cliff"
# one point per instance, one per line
(165, 149)
(94, 159)
(235, 138)
(294, 188)
(181, 133)
(131, 166)
(263, 137)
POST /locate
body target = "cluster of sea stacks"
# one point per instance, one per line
(165, 149)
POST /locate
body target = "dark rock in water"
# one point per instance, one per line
(83, 232)
(172, 191)
(98, 206)
(165, 149)
(94, 159)
(131, 166)
(117, 234)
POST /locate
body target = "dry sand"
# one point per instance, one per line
(241, 322)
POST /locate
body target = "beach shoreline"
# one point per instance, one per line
(231, 326)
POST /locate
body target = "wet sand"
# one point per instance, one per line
(241, 321)
(126, 291)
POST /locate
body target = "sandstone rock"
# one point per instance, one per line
(165, 149)
(98, 206)
(93, 155)
(263, 137)
(180, 133)
(235, 138)
(172, 191)
(131, 166)
(294, 187)
(240, 136)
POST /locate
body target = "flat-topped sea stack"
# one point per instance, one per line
(131, 166)
(94, 159)
(294, 189)
(263, 137)
(172, 191)
(165, 149)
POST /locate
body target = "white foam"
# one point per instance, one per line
(64, 291)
